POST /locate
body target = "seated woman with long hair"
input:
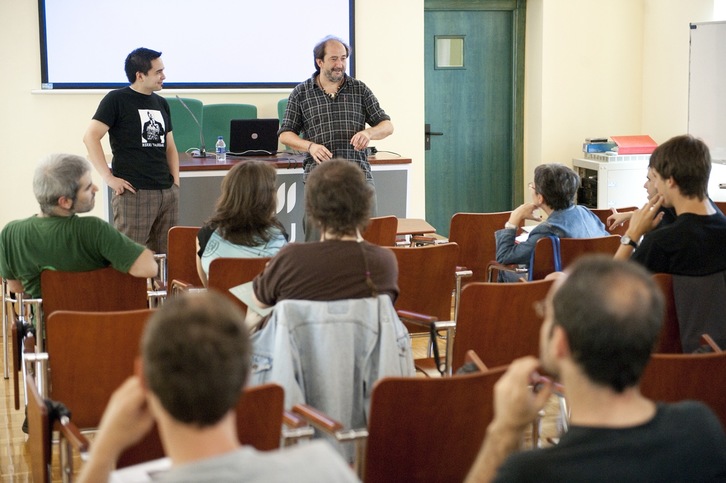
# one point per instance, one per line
(341, 265)
(244, 224)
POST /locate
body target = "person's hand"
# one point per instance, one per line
(360, 140)
(617, 219)
(523, 212)
(119, 185)
(516, 405)
(125, 421)
(319, 153)
(645, 219)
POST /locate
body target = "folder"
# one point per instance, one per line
(634, 144)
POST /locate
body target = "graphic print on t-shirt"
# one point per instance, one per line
(153, 131)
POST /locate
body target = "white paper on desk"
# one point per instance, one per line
(525, 233)
(244, 293)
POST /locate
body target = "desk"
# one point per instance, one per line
(414, 226)
(201, 186)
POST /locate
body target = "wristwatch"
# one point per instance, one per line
(510, 226)
(626, 240)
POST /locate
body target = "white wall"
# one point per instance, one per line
(593, 68)
(35, 124)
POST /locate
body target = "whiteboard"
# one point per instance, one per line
(707, 87)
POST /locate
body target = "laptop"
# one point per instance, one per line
(253, 137)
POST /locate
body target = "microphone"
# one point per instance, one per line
(202, 149)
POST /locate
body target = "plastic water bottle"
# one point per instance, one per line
(221, 150)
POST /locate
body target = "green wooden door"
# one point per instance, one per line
(473, 97)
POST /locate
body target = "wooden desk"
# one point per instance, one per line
(201, 186)
(414, 226)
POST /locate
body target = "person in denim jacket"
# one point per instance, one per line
(553, 193)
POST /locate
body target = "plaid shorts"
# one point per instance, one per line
(147, 215)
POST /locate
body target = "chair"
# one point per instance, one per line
(426, 279)
(381, 230)
(186, 131)
(90, 355)
(573, 248)
(104, 289)
(604, 213)
(40, 425)
(676, 377)
(699, 304)
(553, 254)
(498, 321)
(721, 206)
(281, 107)
(420, 430)
(474, 233)
(669, 341)
(329, 354)
(225, 273)
(217, 119)
(259, 414)
(181, 261)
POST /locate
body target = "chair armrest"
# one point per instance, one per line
(179, 286)
(708, 340)
(73, 435)
(328, 425)
(295, 428)
(500, 267)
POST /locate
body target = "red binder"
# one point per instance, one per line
(634, 144)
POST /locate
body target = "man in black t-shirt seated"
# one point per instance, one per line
(601, 321)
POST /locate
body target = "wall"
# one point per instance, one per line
(603, 68)
(593, 68)
(33, 124)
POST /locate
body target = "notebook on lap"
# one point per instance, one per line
(253, 137)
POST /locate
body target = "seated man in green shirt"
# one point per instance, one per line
(58, 239)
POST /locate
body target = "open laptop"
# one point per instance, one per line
(253, 137)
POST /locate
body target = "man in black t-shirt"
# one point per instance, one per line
(601, 321)
(144, 175)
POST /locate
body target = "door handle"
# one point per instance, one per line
(427, 136)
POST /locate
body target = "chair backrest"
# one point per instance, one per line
(499, 321)
(39, 434)
(381, 230)
(259, 424)
(604, 213)
(721, 206)
(428, 429)
(700, 307)
(90, 354)
(217, 119)
(181, 261)
(281, 106)
(186, 131)
(573, 248)
(474, 233)
(570, 249)
(225, 273)
(105, 289)
(426, 279)
(669, 341)
(675, 377)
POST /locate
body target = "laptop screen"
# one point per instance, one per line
(253, 137)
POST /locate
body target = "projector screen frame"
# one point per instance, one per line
(86, 59)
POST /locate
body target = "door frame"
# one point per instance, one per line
(518, 9)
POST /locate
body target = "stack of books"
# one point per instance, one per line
(597, 145)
